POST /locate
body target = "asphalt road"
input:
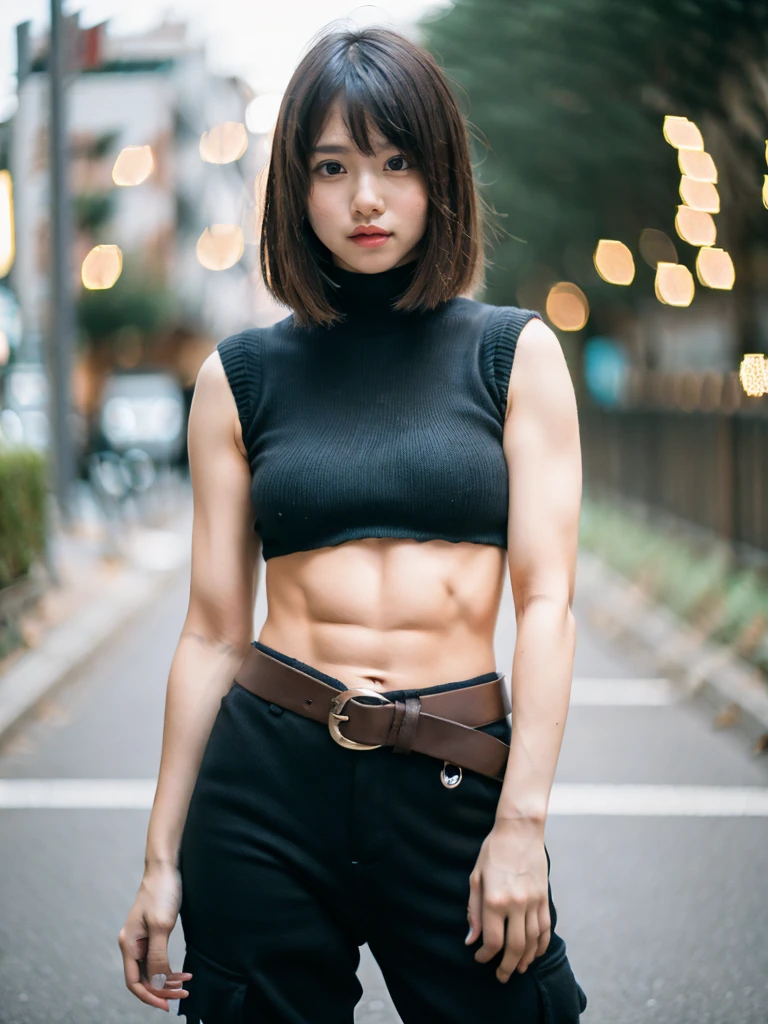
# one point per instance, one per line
(663, 912)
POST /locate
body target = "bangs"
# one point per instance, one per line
(368, 99)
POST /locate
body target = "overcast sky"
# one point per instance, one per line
(262, 40)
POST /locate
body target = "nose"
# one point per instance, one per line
(367, 198)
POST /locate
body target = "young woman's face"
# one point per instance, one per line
(349, 190)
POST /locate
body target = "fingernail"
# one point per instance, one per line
(468, 934)
(158, 980)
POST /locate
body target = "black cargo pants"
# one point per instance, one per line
(296, 851)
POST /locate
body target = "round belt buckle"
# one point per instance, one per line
(450, 774)
(334, 717)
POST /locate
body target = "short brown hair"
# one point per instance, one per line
(381, 77)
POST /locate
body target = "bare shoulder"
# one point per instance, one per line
(214, 411)
(540, 382)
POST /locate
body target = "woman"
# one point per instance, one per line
(395, 464)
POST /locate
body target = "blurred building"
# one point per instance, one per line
(151, 90)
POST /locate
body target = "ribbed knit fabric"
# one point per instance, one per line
(389, 424)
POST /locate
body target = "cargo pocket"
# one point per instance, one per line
(562, 996)
(216, 994)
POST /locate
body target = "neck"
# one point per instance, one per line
(356, 294)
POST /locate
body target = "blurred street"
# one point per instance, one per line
(661, 911)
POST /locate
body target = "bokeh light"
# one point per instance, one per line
(697, 164)
(714, 268)
(567, 306)
(699, 195)
(682, 133)
(614, 262)
(695, 226)
(674, 284)
(220, 246)
(224, 143)
(753, 374)
(134, 165)
(657, 247)
(261, 113)
(102, 267)
(7, 229)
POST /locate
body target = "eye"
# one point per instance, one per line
(328, 164)
(398, 157)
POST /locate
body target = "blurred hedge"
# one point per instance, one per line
(23, 490)
(696, 576)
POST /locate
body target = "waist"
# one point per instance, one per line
(387, 613)
(443, 721)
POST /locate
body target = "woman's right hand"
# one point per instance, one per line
(143, 939)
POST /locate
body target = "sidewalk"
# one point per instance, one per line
(735, 691)
(103, 580)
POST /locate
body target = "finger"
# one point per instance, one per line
(493, 931)
(158, 970)
(136, 985)
(515, 943)
(474, 910)
(531, 939)
(132, 971)
(545, 928)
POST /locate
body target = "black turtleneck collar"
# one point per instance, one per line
(359, 293)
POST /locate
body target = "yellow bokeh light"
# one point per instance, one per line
(102, 267)
(613, 262)
(699, 195)
(656, 247)
(567, 306)
(220, 246)
(7, 228)
(134, 165)
(695, 226)
(682, 133)
(697, 164)
(753, 374)
(224, 143)
(765, 191)
(714, 268)
(674, 284)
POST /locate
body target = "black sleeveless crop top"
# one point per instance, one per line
(386, 425)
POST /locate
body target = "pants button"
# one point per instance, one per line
(276, 709)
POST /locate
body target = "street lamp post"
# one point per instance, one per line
(60, 333)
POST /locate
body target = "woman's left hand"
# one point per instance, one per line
(509, 884)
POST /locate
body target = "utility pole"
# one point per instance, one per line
(60, 332)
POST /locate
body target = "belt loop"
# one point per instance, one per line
(407, 731)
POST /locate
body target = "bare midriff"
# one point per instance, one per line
(387, 613)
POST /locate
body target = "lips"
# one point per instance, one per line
(369, 231)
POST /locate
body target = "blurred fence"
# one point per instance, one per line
(709, 468)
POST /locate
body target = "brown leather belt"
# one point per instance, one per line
(443, 725)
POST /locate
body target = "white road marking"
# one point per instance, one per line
(694, 801)
(623, 692)
(78, 794)
(566, 798)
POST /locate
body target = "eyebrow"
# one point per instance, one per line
(337, 148)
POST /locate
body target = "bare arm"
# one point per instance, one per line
(219, 621)
(541, 442)
(508, 887)
(214, 639)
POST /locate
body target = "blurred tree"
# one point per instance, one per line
(569, 96)
(92, 210)
(132, 303)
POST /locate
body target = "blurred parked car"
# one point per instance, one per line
(143, 409)
(25, 412)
